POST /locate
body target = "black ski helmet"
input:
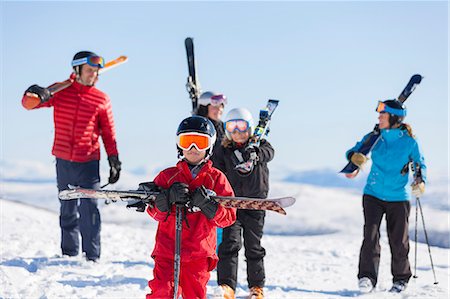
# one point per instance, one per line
(396, 110)
(80, 55)
(198, 124)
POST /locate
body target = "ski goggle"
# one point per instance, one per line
(382, 107)
(96, 61)
(200, 141)
(218, 100)
(237, 124)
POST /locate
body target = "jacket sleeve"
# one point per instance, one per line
(219, 159)
(107, 128)
(357, 146)
(266, 151)
(31, 103)
(417, 158)
(224, 216)
(161, 181)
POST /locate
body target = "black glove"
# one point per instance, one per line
(206, 204)
(178, 193)
(139, 205)
(149, 186)
(43, 93)
(115, 167)
(251, 152)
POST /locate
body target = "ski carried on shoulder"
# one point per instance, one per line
(261, 131)
(148, 197)
(192, 85)
(351, 170)
(31, 100)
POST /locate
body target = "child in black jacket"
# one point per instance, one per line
(247, 179)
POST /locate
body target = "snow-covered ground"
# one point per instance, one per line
(311, 253)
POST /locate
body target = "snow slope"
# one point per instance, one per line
(311, 253)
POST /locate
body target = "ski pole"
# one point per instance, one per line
(426, 238)
(415, 243)
(177, 260)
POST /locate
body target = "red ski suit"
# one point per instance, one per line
(198, 241)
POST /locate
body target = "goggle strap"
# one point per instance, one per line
(85, 60)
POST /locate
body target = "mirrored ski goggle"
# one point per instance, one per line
(218, 100)
(237, 124)
(382, 107)
(96, 61)
(201, 142)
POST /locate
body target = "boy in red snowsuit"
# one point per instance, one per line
(186, 184)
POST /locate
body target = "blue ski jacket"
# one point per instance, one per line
(393, 150)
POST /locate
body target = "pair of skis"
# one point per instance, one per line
(31, 100)
(192, 85)
(351, 170)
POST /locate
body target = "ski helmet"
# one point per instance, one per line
(239, 114)
(200, 127)
(88, 57)
(212, 98)
(396, 110)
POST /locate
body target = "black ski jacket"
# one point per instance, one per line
(218, 125)
(256, 183)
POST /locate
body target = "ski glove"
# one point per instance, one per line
(149, 186)
(43, 93)
(251, 152)
(204, 202)
(137, 204)
(178, 194)
(418, 187)
(115, 167)
(358, 159)
(140, 205)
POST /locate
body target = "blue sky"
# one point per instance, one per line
(327, 62)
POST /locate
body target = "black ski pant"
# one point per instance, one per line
(397, 214)
(249, 225)
(79, 216)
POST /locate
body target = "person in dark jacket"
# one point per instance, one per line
(386, 193)
(237, 149)
(82, 114)
(211, 106)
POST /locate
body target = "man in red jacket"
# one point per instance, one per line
(185, 185)
(82, 113)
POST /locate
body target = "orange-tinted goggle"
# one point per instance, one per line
(200, 141)
(97, 61)
(237, 124)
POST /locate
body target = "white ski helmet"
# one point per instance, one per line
(212, 98)
(237, 114)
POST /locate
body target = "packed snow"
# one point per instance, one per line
(311, 253)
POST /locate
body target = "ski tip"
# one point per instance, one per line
(417, 78)
(286, 202)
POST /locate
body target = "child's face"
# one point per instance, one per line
(240, 137)
(193, 155)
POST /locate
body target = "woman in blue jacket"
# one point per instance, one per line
(386, 193)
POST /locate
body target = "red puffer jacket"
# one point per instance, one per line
(199, 239)
(82, 114)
